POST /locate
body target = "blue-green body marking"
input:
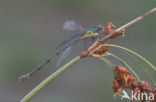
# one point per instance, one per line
(86, 34)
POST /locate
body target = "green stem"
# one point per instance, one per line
(143, 67)
(126, 65)
(109, 63)
(117, 46)
(45, 82)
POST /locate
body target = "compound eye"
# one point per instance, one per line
(99, 27)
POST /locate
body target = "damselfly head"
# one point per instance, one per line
(100, 27)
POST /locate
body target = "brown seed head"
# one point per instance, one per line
(109, 28)
(100, 51)
(117, 87)
(144, 86)
(118, 34)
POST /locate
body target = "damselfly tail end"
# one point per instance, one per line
(24, 77)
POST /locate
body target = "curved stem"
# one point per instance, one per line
(143, 67)
(99, 42)
(125, 64)
(145, 60)
(45, 82)
(109, 63)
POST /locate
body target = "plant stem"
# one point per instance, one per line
(142, 66)
(110, 64)
(45, 82)
(125, 64)
(38, 88)
(98, 43)
(138, 55)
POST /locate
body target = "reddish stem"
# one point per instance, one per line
(99, 42)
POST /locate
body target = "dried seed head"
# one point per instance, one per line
(109, 28)
(136, 91)
(120, 69)
(118, 34)
(144, 86)
(154, 91)
(117, 87)
(124, 79)
(127, 80)
(100, 51)
(131, 83)
(122, 73)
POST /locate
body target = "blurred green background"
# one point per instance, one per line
(30, 30)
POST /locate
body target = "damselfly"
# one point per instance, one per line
(65, 47)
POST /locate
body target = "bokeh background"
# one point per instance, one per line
(30, 30)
